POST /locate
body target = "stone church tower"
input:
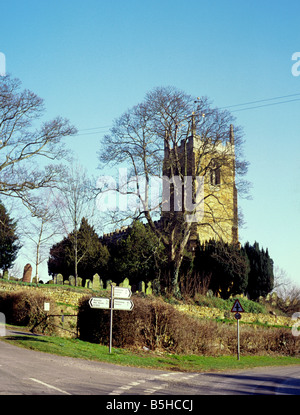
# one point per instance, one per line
(213, 162)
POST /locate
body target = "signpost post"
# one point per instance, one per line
(119, 300)
(111, 317)
(237, 309)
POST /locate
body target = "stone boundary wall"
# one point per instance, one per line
(213, 313)
(66, 296)
(57, 294)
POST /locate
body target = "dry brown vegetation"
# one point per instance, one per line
(26, 308)
(158, 326)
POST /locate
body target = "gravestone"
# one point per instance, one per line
(79, 282)
(59, 279)
(88, 284)
(125, 283)
(72, 280)
(27, 273)
(142, 286)
(156, 286)
(149, 288)
(96, 282)
(5, 275)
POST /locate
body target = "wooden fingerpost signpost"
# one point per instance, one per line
(119, 300)
(237, 309)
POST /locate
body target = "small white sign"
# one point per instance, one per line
(123, 305)
(46, 306)
(96, 302)
(122, 292)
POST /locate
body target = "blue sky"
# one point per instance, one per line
(93, 60)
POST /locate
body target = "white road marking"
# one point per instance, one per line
(50, 386)
(150, 390)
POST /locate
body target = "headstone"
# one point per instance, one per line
(156, 286)
(79, 282)
(66, 282)
(88, 283)
(125, 283)
(108, 284)
(72, 280)
(59, 279)
(149, 288)
(27, 273)
(142, 286)
(210, 293)
(96, 282)
(5, 275)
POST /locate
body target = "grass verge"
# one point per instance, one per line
(186, 363)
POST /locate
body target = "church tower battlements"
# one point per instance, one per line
(214, 162)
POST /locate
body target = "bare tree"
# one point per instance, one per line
(42, 225)
(166, 122)
(24, 144)
(74, 200)
(287, 291)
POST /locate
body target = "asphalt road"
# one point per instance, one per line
(26, 372)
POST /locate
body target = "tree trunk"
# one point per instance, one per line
(76, 257)
(174, 264)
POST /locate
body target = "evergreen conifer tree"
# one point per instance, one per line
(9, 241)
(261, 277)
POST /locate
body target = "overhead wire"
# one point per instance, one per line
(266, 100)
(261, 100)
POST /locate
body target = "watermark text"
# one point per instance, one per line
(296, 318)
(178, 194)
(2, 64)
(2, 325)
(296, 65)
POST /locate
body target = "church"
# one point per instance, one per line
(212, 161)
(211, 165)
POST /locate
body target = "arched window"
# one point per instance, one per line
(215, 175)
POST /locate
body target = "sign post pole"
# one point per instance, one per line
(237, 309)
(238, 339)
(123, 295)
(111, 317)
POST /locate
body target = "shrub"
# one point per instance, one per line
(26, 308)
(159, 326)
(151, 323)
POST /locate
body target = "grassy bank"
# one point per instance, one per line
(186, 363)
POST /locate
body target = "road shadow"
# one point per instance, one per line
(26, 336)
(263, 384)
(22, 333)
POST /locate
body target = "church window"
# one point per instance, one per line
(215, 176)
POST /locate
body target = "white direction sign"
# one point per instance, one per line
(237, 308)
(96, 302)
(122, 292)
(123, 305)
